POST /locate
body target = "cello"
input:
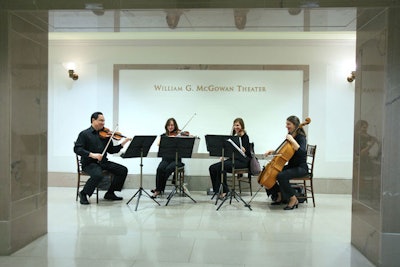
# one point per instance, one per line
(283, 154)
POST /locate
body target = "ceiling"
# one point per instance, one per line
(95, 19)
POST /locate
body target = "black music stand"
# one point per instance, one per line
(218, 145)
(139, 147)
(177, 148)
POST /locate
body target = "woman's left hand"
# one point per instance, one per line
(290, 138)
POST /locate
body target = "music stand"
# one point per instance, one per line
(177, 148)
(218, 145)
(139, 147)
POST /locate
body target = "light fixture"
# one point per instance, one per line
(294, 11)
(96, 8)
(240, 16)
(74, 76)
(172, 18)
(351, 77)
(70, 67)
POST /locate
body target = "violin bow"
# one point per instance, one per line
(109, 141)
(188, 121)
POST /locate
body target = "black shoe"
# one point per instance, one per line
(296, 205)
(83, 199)
(276, 203)
(155, 194)
(111, 196)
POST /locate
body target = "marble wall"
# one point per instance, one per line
(376, 184)
(23, 91)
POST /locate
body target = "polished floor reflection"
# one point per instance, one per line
(191, 234)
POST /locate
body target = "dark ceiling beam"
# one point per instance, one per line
(173, 4)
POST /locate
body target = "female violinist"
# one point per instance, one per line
(296, 167)
(240, 162)
(167, 165)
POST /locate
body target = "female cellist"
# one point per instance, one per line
(167, 165)
(296, 167)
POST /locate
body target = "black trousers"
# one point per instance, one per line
(95, 170)
(216, 171)
(284, 177)
(164, 170)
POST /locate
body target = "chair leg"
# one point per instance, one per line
(97, 195)
(312, 192)
(240, 184)
(77, 187)
(251, 189)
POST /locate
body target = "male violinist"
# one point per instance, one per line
(93, 149)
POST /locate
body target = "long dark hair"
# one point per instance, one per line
(176, 129)
(241, 122)
(296, 121)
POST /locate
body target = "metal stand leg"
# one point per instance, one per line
(261, 187)
(217, 194)
(182, 190)
(140, 190)
(180, 186)
(232, 193)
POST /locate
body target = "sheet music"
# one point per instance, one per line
(237, 148)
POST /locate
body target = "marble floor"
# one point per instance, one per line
(191, 234)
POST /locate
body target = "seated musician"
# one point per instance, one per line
(167, 165)
(91, 145)
(296, 167)
(240, 162)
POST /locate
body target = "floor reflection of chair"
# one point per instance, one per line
(308, 179)
(82, 178)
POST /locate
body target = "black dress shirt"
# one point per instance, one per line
(89, 141)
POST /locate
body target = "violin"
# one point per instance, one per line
(178, 133)
(107, 133)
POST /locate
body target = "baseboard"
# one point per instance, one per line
(202, 183)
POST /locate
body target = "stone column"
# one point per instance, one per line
(376, 178)
(23, 118)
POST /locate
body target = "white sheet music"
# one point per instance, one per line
(237, 148)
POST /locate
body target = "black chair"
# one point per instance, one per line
(244, 176)
(308, 179)
(82, 178)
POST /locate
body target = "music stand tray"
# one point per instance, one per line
(176, 148)
(219, 146)
(139, 147)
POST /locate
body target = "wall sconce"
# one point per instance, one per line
(74, 76)
(70, 67)
(351, 77)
